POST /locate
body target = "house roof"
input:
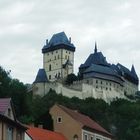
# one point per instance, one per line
(85, 120)
(41, 76)
(42, 134)
(58, 41)
(12, 122)
(4, 104)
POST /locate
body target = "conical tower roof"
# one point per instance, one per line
(41, 76)
(133, 72)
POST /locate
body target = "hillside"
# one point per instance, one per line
(121, 117)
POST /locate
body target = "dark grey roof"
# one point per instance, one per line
(68, 62)
(95, 58)
(103, 72)
(41, 76)
(127, 74)
(57, 41)
(133, 72)
(101, 69)
(113, 78)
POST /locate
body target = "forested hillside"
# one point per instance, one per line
(121, 117)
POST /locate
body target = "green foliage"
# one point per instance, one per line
(121, 117)
(14, 89)
(71, 78)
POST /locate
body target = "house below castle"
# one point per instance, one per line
(98, 78)
(76, 126)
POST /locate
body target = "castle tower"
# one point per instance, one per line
(58, 56)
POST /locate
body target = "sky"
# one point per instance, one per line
(26, 24)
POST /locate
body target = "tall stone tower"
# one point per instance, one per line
(58, 56)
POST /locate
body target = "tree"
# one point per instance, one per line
(71, 78)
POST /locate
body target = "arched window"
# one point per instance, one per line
(50, 67)
(75, 137)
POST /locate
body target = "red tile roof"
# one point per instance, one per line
(85, 120)
(43, 134)
(4, 104)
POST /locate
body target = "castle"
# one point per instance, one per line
(98, 78)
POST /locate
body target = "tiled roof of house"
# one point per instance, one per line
(85, 120)
(57, 41)
(41, 76)
(42, 134)
(12, 122)
(4, 104)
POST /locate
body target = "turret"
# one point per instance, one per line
(133, 72)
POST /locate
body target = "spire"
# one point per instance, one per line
(133, 71)
(95, 50)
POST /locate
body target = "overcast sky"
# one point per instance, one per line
(26, 24)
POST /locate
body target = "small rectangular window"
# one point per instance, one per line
(10, 133)
(59, 119)
(49, 76)
(85, 137)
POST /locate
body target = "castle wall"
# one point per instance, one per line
(130, 88)
(39, 89)
(105, 91)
